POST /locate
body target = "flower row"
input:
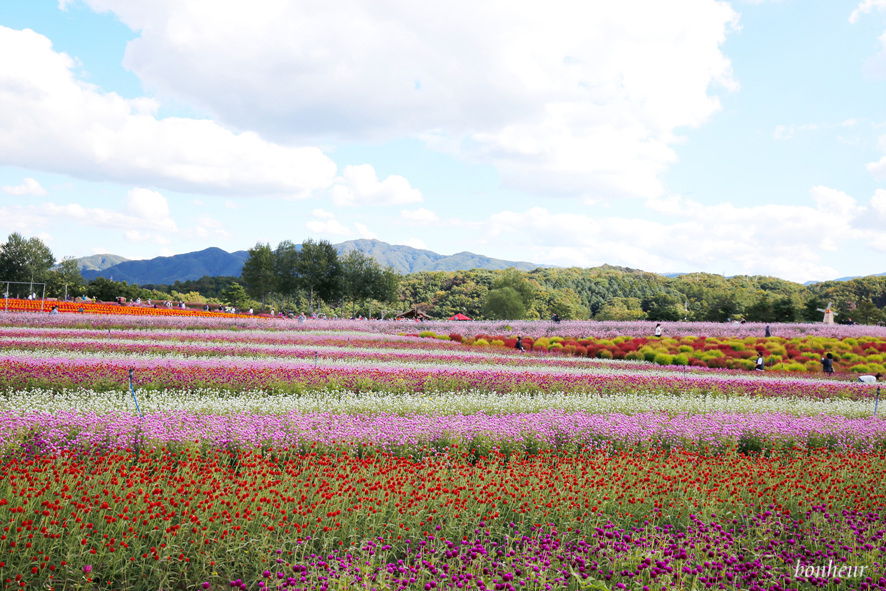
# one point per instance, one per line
(110, 372)
(188, 519)
(223, 402)
(418, 433)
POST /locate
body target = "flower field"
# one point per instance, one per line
(266, 454)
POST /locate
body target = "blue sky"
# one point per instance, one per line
(735, 138)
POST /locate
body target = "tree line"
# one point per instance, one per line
(314, 278)
(314, 273)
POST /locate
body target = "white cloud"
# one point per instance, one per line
(578, 98)
(878, 168)
(866, 7)
(49, 120)
(323, 214)
(419, 216)
(148, 205)
(29, 187)
(333, 227)
(364, 232)
(876, 65)
(781, 240)
(416, 243)
(786, 132)
(208, 227)
(359, 185)
(145, 216)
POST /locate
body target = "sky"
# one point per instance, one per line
(737, 138)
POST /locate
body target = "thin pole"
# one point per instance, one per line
(132, 390)
(877, 401)
(316, 354)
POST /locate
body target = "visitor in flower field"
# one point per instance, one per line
(658, 330)
(870, 379)
(768, 332)
(827, 363)
(54, 311)
(761, 364)
(519, 345)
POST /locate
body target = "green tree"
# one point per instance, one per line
(25, 260)
(286, 258)
(235, 296)
(504, 303)
(563, 302)
(107, 290)
(784, 310)
(761, 310)
(621, 309)
(65, 279)
(722, 308)
(385, 286)
(663, 306)
(358, 272)
(517, 281)
(259, 273)
(810, 309)
(867, 313)
(319, 270)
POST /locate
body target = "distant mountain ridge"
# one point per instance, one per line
(406, 259)
(216, 262)
(99, 262)
(212, 261)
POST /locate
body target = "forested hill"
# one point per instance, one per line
(609, 292)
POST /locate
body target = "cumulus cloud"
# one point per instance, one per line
(364, 232)
(866, 7)
(416, 243)
(780, 240)
(327, 224)
(359, 185)
(145, 216)
(50, 120)
(29, 187)
(577, 98)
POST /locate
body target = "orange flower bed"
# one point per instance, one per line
(16, 305)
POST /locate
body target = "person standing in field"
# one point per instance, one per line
(827, 363)
(761, 363)
(658, 330)
(519, 345)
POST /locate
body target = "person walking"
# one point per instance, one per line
(658, 330)
(768, 332)
(827, 363)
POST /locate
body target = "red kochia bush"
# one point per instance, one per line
(454, 336)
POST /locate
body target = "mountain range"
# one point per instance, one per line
(217, 262)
